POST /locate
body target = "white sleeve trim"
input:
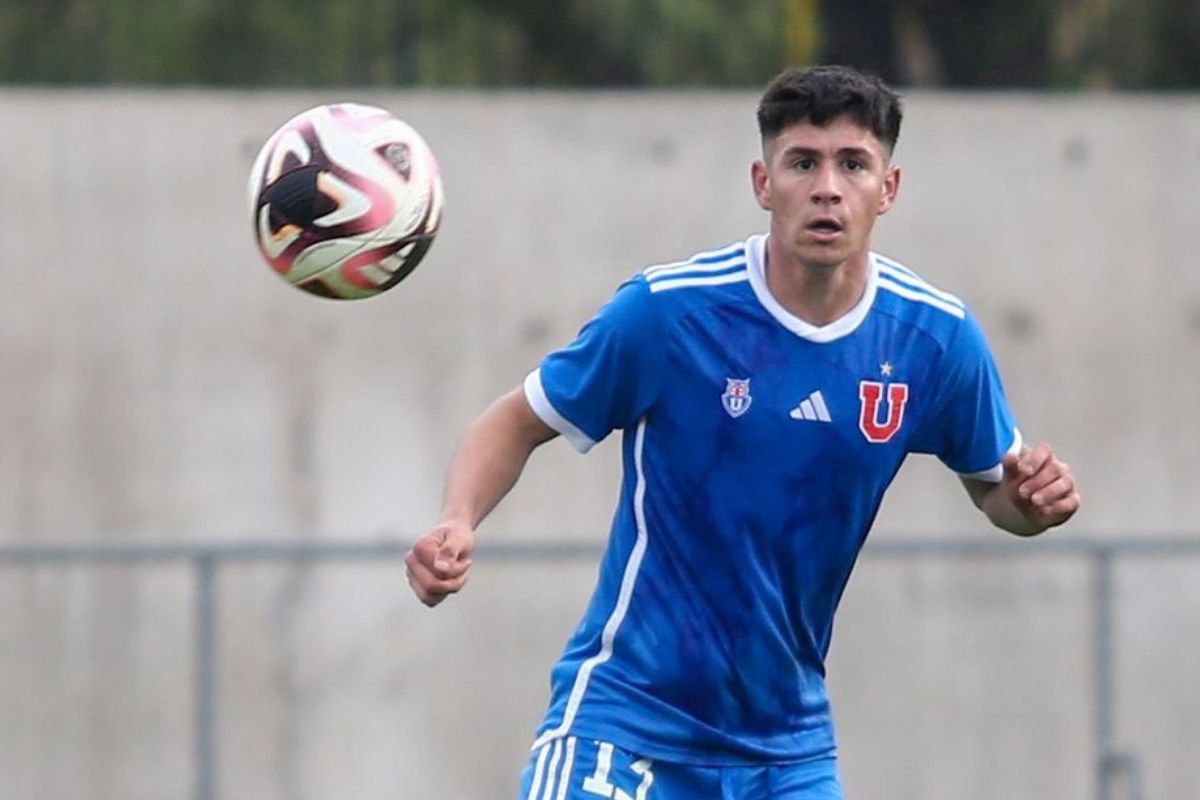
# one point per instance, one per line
(996, 473)
(541, 406)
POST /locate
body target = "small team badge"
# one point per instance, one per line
(736, 399)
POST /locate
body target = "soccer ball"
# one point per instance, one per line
(346, 200)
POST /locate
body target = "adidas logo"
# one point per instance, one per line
(812, 408)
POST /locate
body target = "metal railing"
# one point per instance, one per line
(1113, 767)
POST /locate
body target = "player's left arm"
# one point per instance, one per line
(1036, 491)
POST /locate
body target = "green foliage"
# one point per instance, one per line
(496, 43)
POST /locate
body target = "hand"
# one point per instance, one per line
(437, 564)
(1040, 486)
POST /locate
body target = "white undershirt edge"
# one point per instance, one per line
(536, 395)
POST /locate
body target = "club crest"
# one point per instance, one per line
(870, 395)
(736, 399)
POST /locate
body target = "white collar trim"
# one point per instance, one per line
(756, 259)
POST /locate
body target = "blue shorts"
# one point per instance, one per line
(585, 769)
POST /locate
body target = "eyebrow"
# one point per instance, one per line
(860, 153)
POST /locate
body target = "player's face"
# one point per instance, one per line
(824, 187)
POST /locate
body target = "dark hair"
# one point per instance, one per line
(821, 94)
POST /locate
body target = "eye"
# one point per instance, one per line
(853, 165)
(804, 164)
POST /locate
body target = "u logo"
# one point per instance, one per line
(870, 393)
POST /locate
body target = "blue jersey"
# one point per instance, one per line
(756, 451)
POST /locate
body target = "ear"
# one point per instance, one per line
(891, 185)
(761, 184)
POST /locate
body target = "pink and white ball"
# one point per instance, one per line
(346, 200)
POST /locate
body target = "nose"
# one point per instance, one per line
(826, 187)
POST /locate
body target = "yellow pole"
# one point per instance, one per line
(801, 31)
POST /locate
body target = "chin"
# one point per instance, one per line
(822, 257)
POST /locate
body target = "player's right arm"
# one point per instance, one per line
(485, 467)
(605, 380)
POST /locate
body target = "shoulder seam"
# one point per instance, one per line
(915, 295)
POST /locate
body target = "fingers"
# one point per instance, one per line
(1062, 509)
(1030, 470)
(428, 587)
(1055, 503)
(1032, 459)
(1042, 486)
(450, 562)
(437, 565)
(1044, 490)
(1051, 482)
(1020, 467)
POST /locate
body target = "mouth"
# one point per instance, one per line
(824, 228)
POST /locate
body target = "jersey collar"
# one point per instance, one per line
(756, 248)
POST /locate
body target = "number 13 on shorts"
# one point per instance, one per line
(573, 769)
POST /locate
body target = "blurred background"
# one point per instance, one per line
(208, 478)
(1042, 44)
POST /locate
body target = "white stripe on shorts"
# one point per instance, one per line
(538, 773)
(568, 764)
(548, 794)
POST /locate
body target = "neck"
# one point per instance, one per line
(816, 293)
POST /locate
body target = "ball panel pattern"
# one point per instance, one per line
(346, 200)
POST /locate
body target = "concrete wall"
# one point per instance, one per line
(159, 384)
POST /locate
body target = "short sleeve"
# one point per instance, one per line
(972, 427)
(609, 376)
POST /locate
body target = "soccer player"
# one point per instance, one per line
(767, 392)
